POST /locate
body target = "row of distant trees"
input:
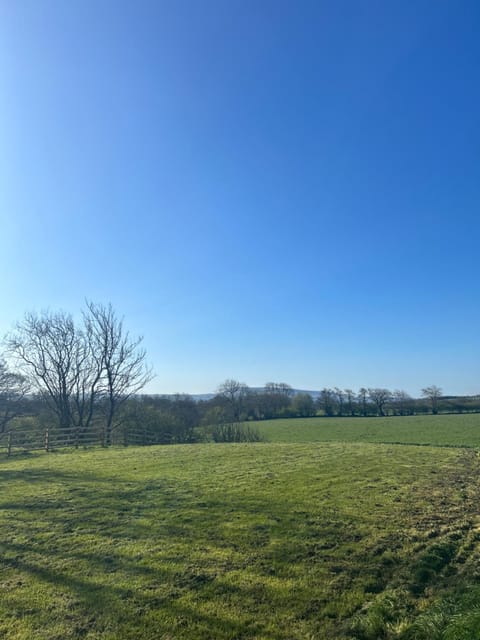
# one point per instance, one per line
(239, 402)
(182, 419)
(84, 378)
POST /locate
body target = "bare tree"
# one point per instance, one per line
(362, 397)
(326, 401)
(278, 388)
(121, 359)
(340, 398)
(74, 368)
(89, 371)
(46, 349)
(434, 394)
(379, 397)
(275, 397)
(350, 397)
(233, 392)
(13, 388)
(402, 402)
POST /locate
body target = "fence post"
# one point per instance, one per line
(9, 444)
(46, 441)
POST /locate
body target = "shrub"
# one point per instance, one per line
(235, 432)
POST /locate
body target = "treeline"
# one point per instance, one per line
(238, 402)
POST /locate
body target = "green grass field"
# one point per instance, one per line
(441, 430)
(275, 540)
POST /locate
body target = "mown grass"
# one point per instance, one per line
(459, 430)
(268, 541)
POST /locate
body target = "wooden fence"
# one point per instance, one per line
(51, 439)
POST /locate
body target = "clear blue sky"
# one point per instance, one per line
(266, 190)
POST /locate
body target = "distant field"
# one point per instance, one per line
(451, 430)
(268, 541)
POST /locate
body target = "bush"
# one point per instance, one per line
(235, 432)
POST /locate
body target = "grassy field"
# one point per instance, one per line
(276, 541)
(441, 430)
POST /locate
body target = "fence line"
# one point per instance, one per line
(49, 439)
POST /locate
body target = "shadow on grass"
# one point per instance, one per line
(165, 553)
(121, 607)
(162, 519)
(109, 603)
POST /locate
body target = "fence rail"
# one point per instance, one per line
(54, 438)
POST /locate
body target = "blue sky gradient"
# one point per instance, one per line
(266, 190)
